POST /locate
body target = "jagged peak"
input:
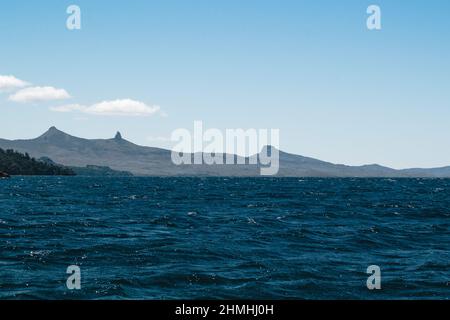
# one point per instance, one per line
(118, 136)
(268, 149)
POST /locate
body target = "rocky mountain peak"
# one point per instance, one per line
(52, 132)
(118, 136)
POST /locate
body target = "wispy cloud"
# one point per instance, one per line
(11, 82)
(38, 94)
(69, 108)
(120, 107)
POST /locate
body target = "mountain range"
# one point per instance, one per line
(122, 155)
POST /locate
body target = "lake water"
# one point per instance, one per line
(252, 238)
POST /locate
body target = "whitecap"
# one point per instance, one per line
(39, 253)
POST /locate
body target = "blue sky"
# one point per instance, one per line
(312, 69)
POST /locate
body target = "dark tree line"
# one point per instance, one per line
(16, 163)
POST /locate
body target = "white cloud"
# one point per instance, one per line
(121, 107)
(36, 94)
(11, 82)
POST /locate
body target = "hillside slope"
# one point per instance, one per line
(122, 155)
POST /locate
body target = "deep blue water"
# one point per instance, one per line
(189, 238)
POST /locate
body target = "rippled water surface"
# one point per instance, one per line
(166, 238)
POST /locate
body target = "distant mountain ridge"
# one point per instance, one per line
(122, 155)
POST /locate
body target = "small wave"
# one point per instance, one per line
(39, 253)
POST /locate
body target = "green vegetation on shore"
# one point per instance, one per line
(16, 163)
